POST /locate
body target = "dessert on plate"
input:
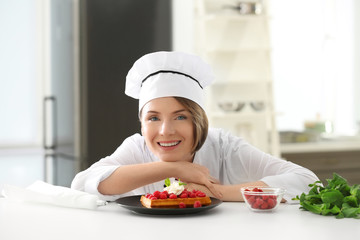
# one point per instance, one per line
(175, 195)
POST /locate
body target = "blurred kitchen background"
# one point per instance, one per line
(287, 78)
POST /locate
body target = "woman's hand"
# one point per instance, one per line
(196, 174)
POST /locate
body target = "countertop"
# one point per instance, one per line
(230, 220)
(321, 146)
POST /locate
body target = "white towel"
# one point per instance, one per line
(45, 193)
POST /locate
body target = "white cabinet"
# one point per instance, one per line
(237, 46)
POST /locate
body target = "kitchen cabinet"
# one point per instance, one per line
(325, 158)
(236, 44)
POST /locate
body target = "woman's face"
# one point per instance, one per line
(168, 129)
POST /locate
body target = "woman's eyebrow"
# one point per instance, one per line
(175, 112)
(151, 112)
(179, 111)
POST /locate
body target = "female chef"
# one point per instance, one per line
(175, 141)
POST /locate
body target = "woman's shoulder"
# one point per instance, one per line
(224, 139)
(133, 141)
(219, 134)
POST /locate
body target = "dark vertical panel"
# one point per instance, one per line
(116, 33)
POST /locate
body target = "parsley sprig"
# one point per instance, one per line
(337, 198)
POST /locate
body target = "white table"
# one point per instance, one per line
(24, 221)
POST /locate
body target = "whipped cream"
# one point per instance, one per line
(175, 188)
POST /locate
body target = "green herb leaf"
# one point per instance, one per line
(181, 183)
(337, 198)
(332, 196)
(167, 182)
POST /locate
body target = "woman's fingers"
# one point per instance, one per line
(213, 180)
(213, 190)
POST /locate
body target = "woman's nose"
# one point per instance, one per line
(167, 128)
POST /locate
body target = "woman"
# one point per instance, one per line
(176, 141)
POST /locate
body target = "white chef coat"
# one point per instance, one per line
(229, 158)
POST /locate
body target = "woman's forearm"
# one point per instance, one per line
(129, 177)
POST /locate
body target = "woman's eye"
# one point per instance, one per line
(181, 118)
(153, 119)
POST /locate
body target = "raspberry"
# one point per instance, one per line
(271, 203)
(255, 205)
(200, 194)
(259, 201)
(163, 196)
(272, 197)
(257, 190)
(172, 196)
(247, 196)
(197, 204)
(156, 194)
(148, 195)
(251, 199)
(184, 195)
(153, 198)
(167, 194)
(265, 205)
(192, 195)
(182, 205)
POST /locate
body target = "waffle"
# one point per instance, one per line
(173, 203)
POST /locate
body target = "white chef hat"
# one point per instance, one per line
(168, 74)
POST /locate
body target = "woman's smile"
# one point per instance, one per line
(168, 144)
(168, 129)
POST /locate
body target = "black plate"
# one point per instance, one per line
(133, 203)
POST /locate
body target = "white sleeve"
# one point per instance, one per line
(251, 164)
(129, 152)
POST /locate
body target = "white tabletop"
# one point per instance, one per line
(27, 221)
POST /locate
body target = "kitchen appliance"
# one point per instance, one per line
(90, 46)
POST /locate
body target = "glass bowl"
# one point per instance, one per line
(262, 199)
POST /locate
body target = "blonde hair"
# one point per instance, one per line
(199, 119)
